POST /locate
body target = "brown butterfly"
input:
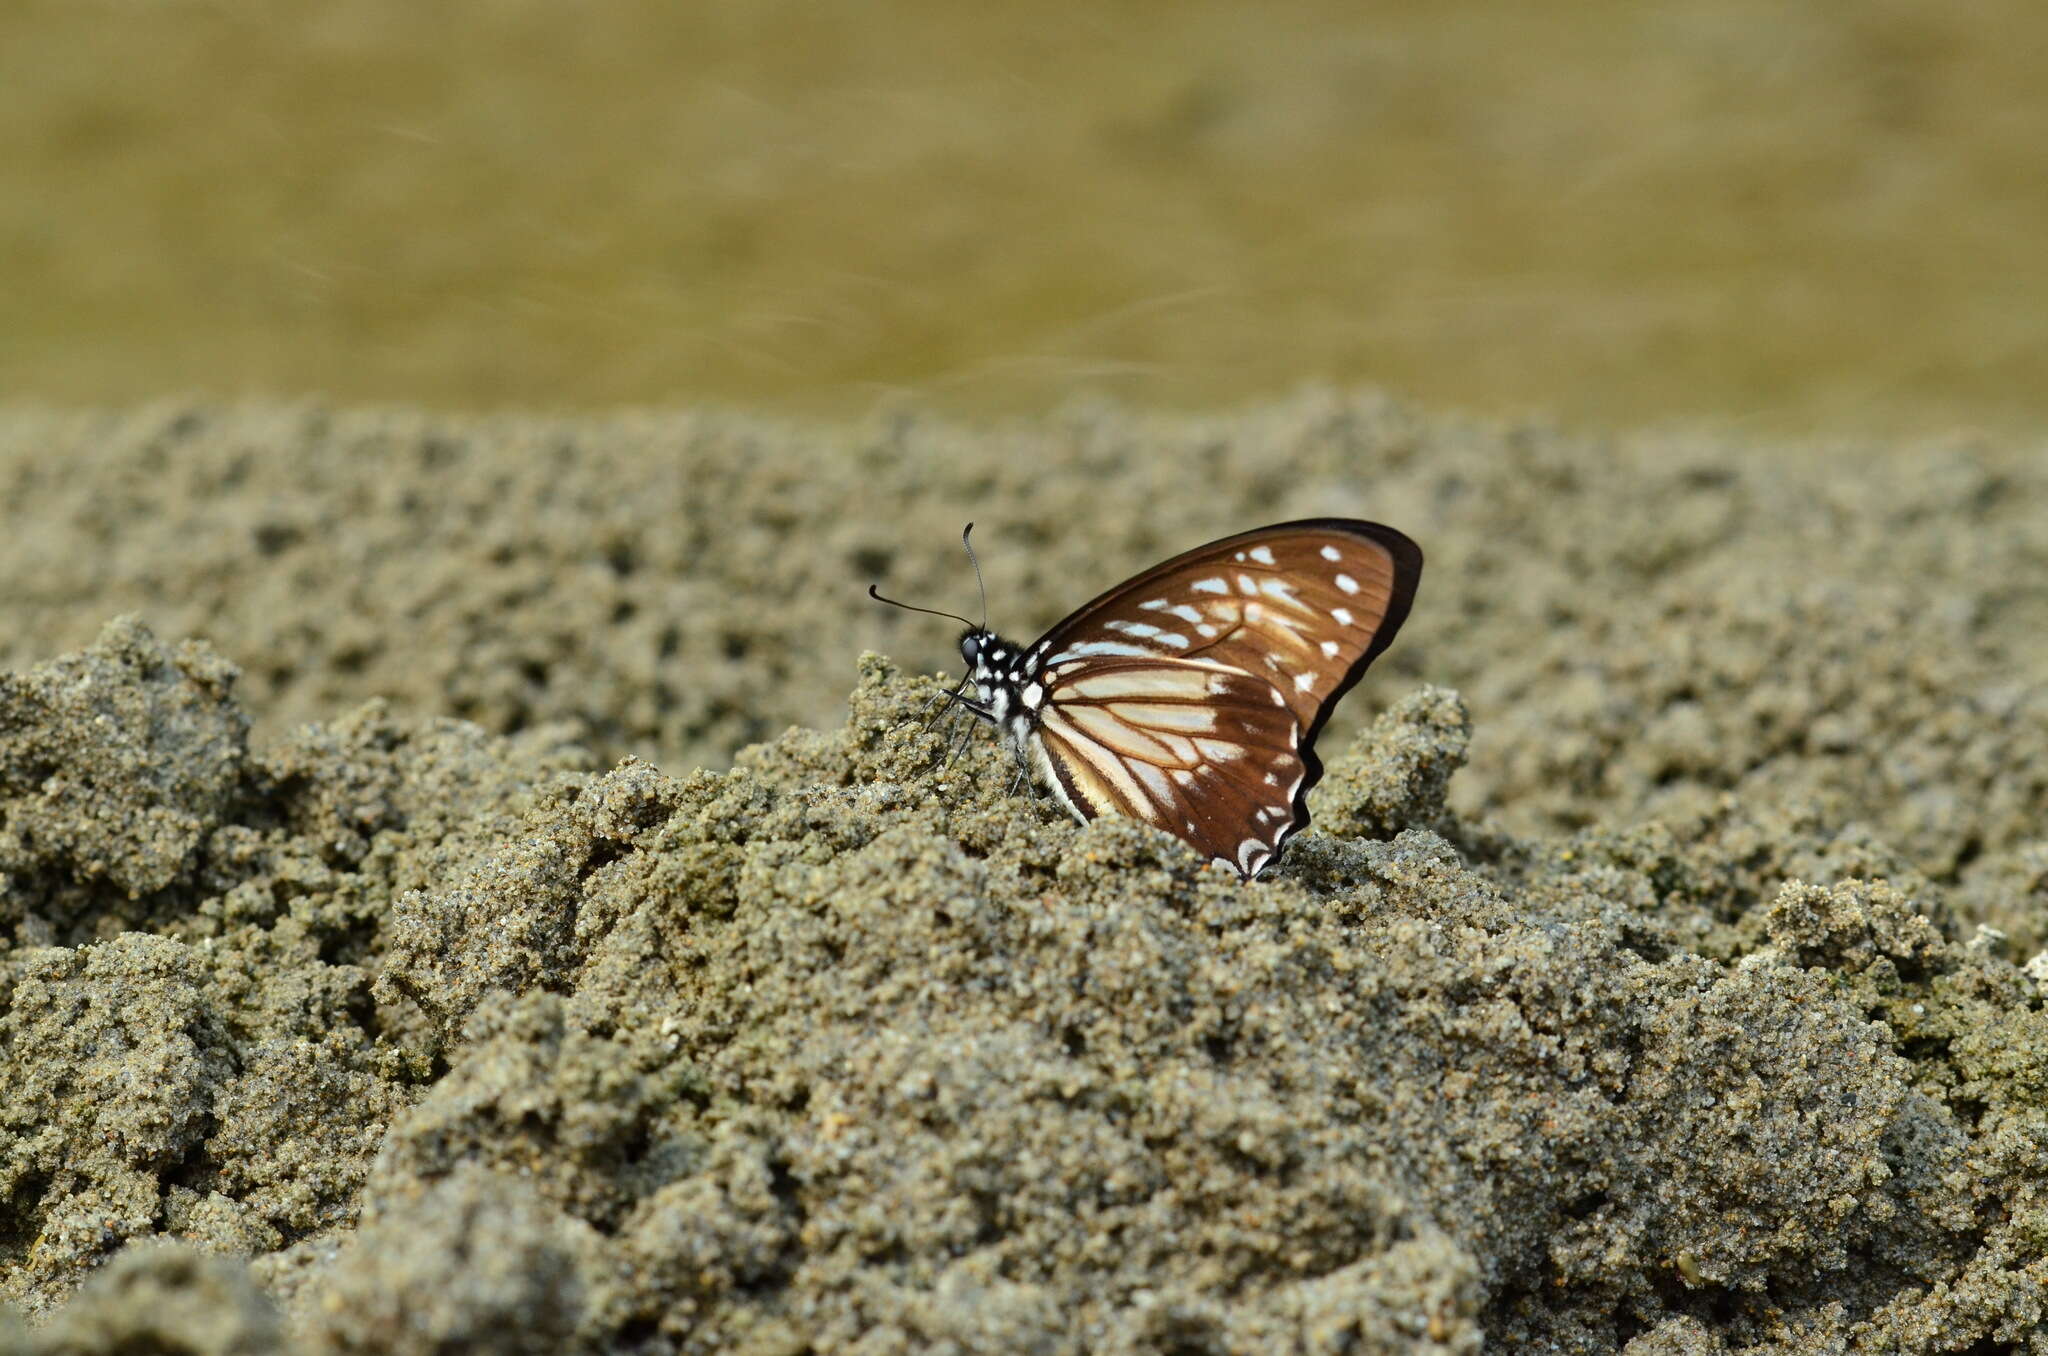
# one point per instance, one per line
(1190, 696)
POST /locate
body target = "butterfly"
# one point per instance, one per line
(1189, 697)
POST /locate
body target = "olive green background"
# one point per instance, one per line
(1817, 217)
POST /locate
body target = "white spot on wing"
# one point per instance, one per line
(1169, 679)
(1173, 638)
(1329, 649)
(1099, 648)
(1342, 614)
(1206, 631)
(1280, 592)
(1304, 681)
(1261, 554)
(1154, 779)
(1154, 604)
(1332, 553)
(1033, 695)
(1347, 583)
(1185, 613)
(1166, 716)
(1248, 585)
(1209, 586)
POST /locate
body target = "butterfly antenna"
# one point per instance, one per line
(976, 563)
(876, 594)
(949, 699)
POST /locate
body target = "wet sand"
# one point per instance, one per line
(400, 959)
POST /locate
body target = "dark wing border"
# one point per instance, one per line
(1407, 557)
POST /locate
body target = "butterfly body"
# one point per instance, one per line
(1190, 696)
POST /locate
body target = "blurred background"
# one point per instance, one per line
(1823, 217)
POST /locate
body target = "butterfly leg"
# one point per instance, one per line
(959, 747)
(949, 698)
(972, 707)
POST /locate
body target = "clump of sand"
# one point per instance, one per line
(1628, 1009)
(821, 1050)
(1641, 626)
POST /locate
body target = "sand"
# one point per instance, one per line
(398, 957)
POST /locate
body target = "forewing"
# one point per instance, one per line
(1304, 605)
(1201, 750)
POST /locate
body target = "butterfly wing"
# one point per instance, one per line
(1191, 695)
(1201, 750)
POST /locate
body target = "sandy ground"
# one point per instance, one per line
(1653, 980)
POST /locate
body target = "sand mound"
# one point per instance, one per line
(1643, 1005)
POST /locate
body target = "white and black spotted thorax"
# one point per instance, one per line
(1006, 677)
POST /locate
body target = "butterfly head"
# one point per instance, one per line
(989, 657)
(975, 641)
(1003, 675)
